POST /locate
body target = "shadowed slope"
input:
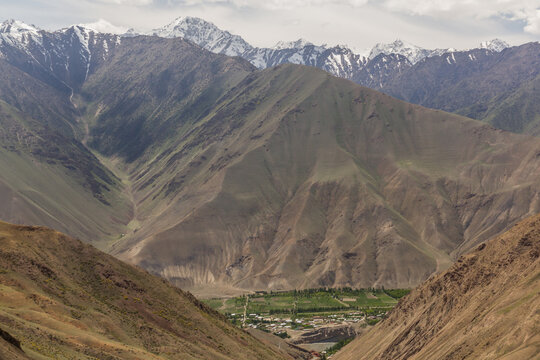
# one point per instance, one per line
(64, 299)
(497, 87)
(486, 306)
(150, 89)
(10, 348)
(50, 179)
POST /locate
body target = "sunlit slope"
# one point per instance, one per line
(63, 299)
(486, 306)
(300, 179)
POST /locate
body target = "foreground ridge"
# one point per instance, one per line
(61, 298)
(486, 306)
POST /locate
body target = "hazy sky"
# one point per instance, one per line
(358, 23)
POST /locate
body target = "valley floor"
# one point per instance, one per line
(314, 319)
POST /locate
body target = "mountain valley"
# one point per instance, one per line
(215, 175)
(179, 193)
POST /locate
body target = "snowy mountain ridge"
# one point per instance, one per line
(70, 53)
(88, 45)
(412, 52)
(496, 45)
(204, 34)
(212, 38)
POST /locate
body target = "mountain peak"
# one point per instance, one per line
(205, 34)
(412, 52)
(190, 20)
(396, 47)
(17, 32)
(496, 45)
(184, 24)
(16, 26)
(298, 44)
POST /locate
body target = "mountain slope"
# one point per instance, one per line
(61, 298)
(174, 82)
(48, 178)
(498, 87)
(47, 122)
(299, 179)
(486, 306)
(10, 348)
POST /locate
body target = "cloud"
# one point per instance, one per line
(127, 2)
(526, 11)
(106, 27)
(264, 4)
(533, 23)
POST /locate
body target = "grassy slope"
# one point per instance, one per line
(63, 299)
(484, 307)
(518, 110)
(300, 179)
(37, 99)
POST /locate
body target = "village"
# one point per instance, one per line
(280, 324)
(318, 320)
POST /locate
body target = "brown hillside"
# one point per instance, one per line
(486, 306)
(301, 180)
(63, 299)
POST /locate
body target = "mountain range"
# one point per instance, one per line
(222, 177)
(495, 82)
(301, 51)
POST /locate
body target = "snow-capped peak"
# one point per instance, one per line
(17, 27)
(19, 31)
(412, 52)
(131, 32)
(496, 45)
(204, 34)
(181, 25)
(298, 44)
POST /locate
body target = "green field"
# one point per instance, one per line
(310, 301)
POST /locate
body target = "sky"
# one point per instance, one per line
(360, 24)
